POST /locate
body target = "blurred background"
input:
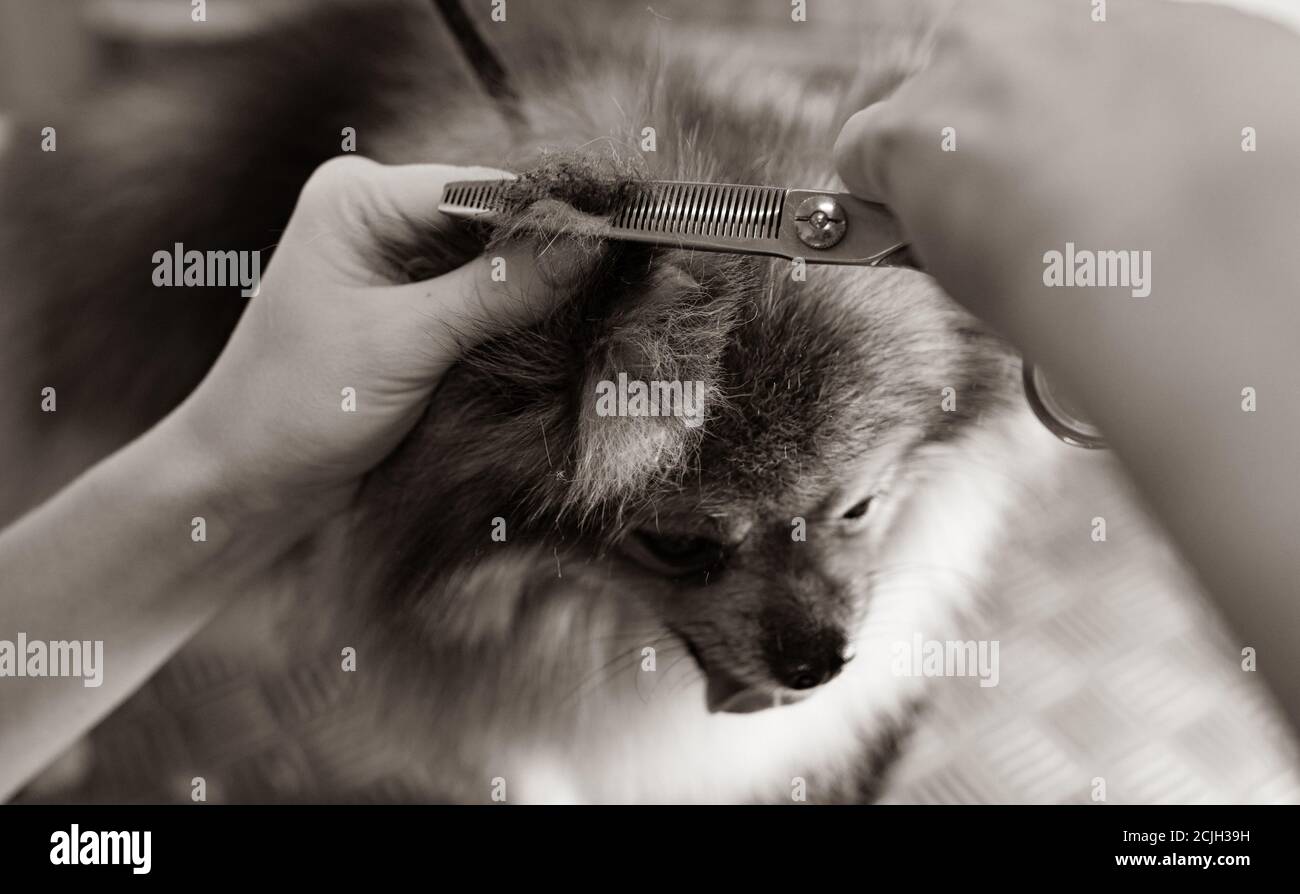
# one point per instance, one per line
(1114, 664)
(48, 47)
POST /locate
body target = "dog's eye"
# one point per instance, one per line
(859, 509)
(675, 554)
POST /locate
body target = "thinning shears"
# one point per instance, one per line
(815, 226)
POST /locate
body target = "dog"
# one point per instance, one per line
(547, 603)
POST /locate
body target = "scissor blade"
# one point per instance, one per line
(723, 217)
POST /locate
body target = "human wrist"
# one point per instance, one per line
(238, 525)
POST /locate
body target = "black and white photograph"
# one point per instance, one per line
(602, 402)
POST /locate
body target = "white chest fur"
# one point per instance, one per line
(648, 737)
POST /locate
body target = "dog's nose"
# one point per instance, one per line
(807, 675)
(805, 660)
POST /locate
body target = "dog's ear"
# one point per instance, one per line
(517, 431)
(539, 417)
(648, 390)
(629, 315)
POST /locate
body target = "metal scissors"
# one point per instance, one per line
(816, 226)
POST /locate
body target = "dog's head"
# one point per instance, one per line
(726, 438)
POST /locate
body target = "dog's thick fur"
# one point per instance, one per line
(526, 660)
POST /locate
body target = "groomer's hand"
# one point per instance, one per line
(1169, 128)
(335, 358)
(150, 544)
(1122, 134)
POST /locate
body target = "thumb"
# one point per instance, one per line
(862, 152)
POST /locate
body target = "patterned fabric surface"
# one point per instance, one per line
(1113, 666)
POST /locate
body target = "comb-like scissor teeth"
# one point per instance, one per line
(819, 226)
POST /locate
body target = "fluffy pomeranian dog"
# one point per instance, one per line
(549, 604)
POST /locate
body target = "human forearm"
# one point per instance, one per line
(329, 367)
(116, 558)
(1112, 138)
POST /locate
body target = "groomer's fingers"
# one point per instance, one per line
(864, 149)
(352, 186)
(513, 286)
(490, 294)
(351, 206)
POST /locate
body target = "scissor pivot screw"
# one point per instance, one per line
(820, 221)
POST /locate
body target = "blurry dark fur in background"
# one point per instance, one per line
(650, 630)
